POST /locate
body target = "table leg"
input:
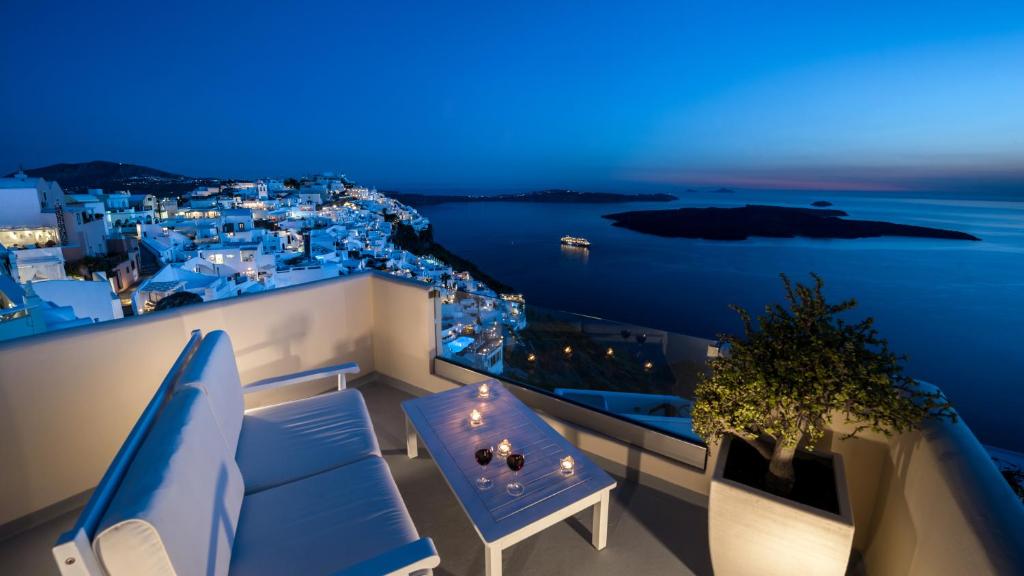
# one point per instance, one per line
(599, 529)
(411, 442)
(492, 560)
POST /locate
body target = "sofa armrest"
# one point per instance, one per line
(410, 558)
(299, 377)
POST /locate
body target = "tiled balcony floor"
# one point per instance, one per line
(650, 533)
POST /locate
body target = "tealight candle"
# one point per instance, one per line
(609, 352)
(475, 418)
(567, 350)
(648, 365)
(483, 391)
(531, 357)
(567, 466)
(504, 448)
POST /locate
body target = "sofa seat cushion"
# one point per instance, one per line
(290, 441)
(322, 524)
(177, 509)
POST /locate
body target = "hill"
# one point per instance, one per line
(116, 176)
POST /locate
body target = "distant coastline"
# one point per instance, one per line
(553, 196)
(768, 221)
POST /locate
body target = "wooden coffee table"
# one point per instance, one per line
(441, 421)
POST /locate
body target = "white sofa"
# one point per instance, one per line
(295, 488)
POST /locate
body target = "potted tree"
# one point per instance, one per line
(775, 505)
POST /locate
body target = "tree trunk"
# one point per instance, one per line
(780, 477)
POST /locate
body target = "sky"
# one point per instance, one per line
(519, 95)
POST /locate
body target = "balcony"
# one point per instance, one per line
(928, 502)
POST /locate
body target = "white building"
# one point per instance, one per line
(125, 211)
(167, 208)
(25, 313)
(305, 274)
(85, 225)
(236, 223)
(29, 201)
(93, 300)
(173, 278)
(32, 254)
(245, 258)
(169, 245)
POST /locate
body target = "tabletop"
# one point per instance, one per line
(442, 422)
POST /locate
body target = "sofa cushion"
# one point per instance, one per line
(322, 524)
(213, 368)
(289, 441)
(176, 511)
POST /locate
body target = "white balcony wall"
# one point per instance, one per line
(932, 502)
(68, 398)
(404, 318)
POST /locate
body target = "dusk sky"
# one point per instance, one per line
(593, 95)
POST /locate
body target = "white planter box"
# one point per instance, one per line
(753, 532)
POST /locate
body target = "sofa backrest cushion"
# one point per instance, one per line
(176, 511)
(213, 368)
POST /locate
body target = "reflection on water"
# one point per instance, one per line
(577, 253)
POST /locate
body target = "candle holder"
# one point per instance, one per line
(483, 391)
(504, 448)
(567, 466)
(475, 418)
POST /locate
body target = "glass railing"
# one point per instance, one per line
(639, 374)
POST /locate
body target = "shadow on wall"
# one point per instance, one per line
(276, 353)
(893, 535)
(346, 351)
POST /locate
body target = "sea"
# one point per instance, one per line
(955, 308)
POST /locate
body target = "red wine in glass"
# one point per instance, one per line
(515, 463)
(483, 458)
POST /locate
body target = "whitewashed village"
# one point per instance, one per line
(74, 259)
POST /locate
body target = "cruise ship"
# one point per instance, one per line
(574, 241)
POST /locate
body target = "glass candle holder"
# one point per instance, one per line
(567, 466)
(484, 391)
(504, 448)
(475, 418)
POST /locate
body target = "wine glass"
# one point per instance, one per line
(483, 458)
(515, 463)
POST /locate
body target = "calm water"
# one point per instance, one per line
(956, 308)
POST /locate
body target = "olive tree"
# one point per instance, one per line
(780, 385)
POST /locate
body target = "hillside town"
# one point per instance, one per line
(72, 259)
